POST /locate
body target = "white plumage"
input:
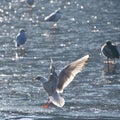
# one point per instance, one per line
(56, 84)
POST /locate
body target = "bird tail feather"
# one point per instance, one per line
(57, 100)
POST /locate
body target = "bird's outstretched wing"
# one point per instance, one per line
(51, 85)
(69, 72)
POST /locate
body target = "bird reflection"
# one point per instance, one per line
(19, 53)
(30, 8)
(111, 68)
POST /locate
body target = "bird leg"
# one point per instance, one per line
(22, 47)
(55, 25)
(113, 61)
(107, 61)
(46, 105)
(108, 66)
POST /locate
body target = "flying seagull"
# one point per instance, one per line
(21, 38)
(54, 17)
(110, 51)
(56, 83)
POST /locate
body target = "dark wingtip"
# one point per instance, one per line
(51, 64)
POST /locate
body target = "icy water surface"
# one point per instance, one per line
(85, 26)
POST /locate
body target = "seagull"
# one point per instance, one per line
(21, 38)
(30, 2)
(54, 17)
(110, 51)
(57, 83)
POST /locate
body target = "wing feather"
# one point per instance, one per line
(70, 71)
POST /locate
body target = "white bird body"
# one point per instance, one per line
(56, 84)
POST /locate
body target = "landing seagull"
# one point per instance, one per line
(110, 51)
(54, 17)
(21, 38)
(56, 84)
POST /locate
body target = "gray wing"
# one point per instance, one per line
(70, 71)
(107, 52)
(51, 85)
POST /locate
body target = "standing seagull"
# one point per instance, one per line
(110, 51)
(56, 84)
(21, 38)
(54, 17)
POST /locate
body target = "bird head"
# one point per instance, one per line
(108, 42)
(40, 78)
(22, 31)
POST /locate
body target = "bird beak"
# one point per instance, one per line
(37, 78)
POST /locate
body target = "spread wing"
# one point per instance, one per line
(51, 85)
(70, 71)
